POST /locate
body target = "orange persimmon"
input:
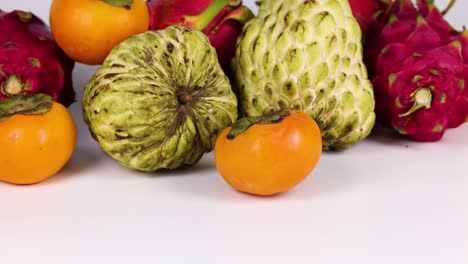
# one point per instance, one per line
(87, 30)
(269, 154)
(36, 146)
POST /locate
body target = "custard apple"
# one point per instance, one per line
(306, 55)
(159, 100)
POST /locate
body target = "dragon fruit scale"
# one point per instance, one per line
(220, 20)
(30, 60)
(367, 13)
(418, 65)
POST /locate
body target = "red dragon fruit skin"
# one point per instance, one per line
(436, 20)
(30, 60)
(220, 20)
(419, 70)
(164, 13)
(365, 12)
(224, 41)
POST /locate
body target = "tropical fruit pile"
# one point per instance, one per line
(268, 92)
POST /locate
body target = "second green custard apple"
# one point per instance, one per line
(306, 55)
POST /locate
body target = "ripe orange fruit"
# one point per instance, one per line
(87, 30)
(36, 146)
(268, 157)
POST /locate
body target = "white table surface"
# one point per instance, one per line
(385, 200)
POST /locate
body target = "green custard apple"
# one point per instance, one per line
(159, 100)
(306, 55)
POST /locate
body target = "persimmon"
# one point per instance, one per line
(37, 141)
(269, 154)
(86, 30)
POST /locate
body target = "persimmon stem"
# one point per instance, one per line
(25, 104)
(241, 125)
(119, 3)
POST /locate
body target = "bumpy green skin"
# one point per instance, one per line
(306, 55)
(159, 100)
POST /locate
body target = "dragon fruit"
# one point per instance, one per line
(30, 60)
(419, 69)
(366, 13)
(220, 20)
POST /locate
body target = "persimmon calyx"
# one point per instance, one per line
(241, 125)
(119, 3)
(25, 104)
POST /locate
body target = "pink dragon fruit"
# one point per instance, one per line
(418, 65)
(220, 20)
(366, 13)
(30, 60)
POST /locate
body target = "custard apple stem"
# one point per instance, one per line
(241, 125)
(119, 3)
(422, 99)
(25, 104)
(203, 19)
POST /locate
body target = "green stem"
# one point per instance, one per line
(25, 17)
(25, 104)
(241, 125)
(447, 9)
(422, 98)
(12, 86)
(119, 3)
(241, 14)
(235, 3)
(200, 21)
